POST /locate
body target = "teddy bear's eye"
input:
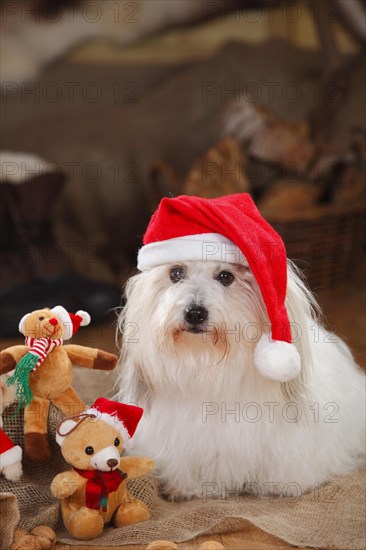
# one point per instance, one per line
(116, 442)
(40, 318)
(89, 450)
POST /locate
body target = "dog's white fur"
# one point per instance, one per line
(281, 438)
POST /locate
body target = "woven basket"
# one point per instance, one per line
(326, 242)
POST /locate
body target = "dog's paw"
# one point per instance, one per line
(172, 495)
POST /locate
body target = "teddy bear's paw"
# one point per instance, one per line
(36, 447)
(105, 360)
(7, 362)
(85, 524)
(146, 465)
(64, 485)
(131, 512)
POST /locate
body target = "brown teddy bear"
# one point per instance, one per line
(43, 371)
(94, 492)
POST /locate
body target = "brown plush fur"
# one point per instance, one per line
(51, 382)
(84, 523)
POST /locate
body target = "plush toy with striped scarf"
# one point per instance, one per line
(43, 371)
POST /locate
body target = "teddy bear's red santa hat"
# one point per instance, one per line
(71, 321)
(9, 453)
(123, 418)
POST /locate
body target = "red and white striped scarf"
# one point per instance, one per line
(42, 347)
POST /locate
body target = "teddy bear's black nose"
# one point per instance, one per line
(195, 314)
(112, 462)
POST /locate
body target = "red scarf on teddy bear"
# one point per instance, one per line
(99, 485)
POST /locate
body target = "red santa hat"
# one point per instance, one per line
(229, 229)
(71, 321)
(9, 453)
(121, 417)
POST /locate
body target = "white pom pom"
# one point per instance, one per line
(277, 360)
(85, 317)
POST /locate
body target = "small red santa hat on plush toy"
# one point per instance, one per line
(123, 418)
(9, 453)
(71, 321)
(229, 229)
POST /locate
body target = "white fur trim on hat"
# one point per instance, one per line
(11, 456)
(203, 247)
(113, 421)
(64, 317)
(85, 317)
(277, 360)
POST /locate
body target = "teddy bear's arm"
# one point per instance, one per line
(91, 358)
(136, 466)
(65, 484)
(9, 357)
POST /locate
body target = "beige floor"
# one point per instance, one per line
(248, 539)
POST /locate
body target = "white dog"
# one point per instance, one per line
(215, 421)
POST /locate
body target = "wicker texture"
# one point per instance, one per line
(326, 242)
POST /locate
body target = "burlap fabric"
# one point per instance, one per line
(332, 517)
(9, 518)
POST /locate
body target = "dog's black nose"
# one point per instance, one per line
(112, 462)
(195, 315)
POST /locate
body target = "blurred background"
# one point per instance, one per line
(107, 106)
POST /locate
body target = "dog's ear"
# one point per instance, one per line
(131, 386)
(143, 395)
(303, 312)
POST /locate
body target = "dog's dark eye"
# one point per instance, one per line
(116, 442)
(225, 278)
(89, 450)
(40, 318)
(177, 273)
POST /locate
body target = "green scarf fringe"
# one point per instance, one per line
(21, 379)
